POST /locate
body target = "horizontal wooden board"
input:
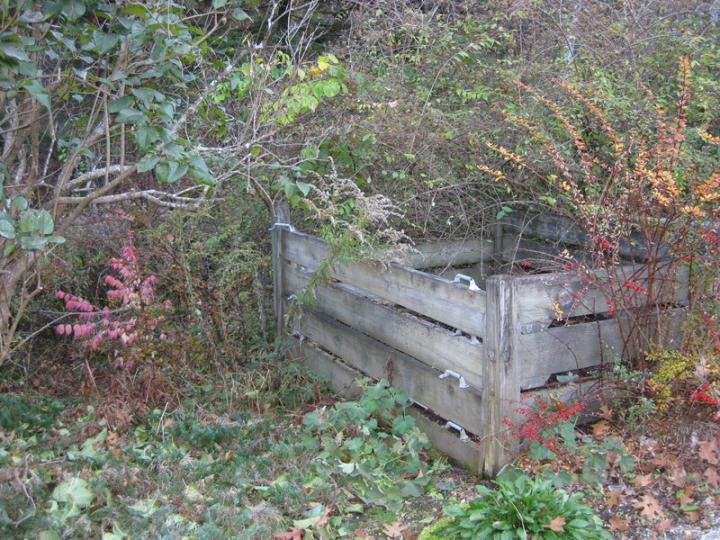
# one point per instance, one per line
(580, 346)
(449, 253)
(377, 360)
(541, 254)
(440, 299)
(562, 229)
(341, 379)
(430, 343)
(540, 296)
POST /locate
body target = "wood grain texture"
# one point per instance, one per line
(501, 373)
(563, 230)
(449, 253)
(278, 241)
(421, 382)
(440, 299)
(540, 296)
(579, 346)
(430, 343)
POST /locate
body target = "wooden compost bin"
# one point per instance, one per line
(467, 349)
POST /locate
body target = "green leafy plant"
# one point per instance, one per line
(522, 507)
(372, 445)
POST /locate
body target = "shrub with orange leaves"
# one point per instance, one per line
(656, 192)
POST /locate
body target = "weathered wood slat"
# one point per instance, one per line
(517, 248)
(340, 378)
(421, 382)
(454, 252)
(432, 344)
(561, 229)
(580, 346)
(440, 299)
(540, 296)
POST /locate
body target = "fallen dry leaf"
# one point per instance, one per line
(556, 525)
(394, 529)
(664, 525)
(712, 477)
(362, 534)
(618, 524)
(605, 412)
(612, 498)
(601, 428)
(678, 476)
(709, 451)
(685, 496)
(649, 507)
(642, 480)
(664, 460)
(693, 517)
(292, 534)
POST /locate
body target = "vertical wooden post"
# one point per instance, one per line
(498, 241)
(500, 373)
(281, 216)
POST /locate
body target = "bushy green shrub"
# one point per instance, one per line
(521, 507)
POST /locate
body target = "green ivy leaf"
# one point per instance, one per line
(147, 95)
(37, 90)
(199, 172)
(74, 491)
(14, 51)
(32, 243)
(240, 15)
(117, 105)
(129, 116)
(147, 163)
(44, 223)
(20, 203)
(72, 9)
(145, 136)
(7, 229)
(105, 42)
(168, 172)
(304, 188)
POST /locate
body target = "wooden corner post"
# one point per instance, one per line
(500, 373)
(281, 224)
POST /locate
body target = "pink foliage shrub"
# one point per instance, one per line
(132, 313)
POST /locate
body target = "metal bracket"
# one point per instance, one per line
(423, 407)
(472, 286)
(279, 225)
(459, 429)
(455, 374)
